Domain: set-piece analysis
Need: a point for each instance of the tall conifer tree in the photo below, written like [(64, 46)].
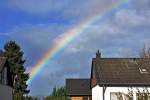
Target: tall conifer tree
[(16, 62)]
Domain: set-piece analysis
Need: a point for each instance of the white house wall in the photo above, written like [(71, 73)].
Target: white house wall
[(97, 92)]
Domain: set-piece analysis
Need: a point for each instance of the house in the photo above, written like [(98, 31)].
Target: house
[(78, 89), (5, 80), (114, 78)]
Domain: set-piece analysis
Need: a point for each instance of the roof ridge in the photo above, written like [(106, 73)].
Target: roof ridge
[(78, 79)]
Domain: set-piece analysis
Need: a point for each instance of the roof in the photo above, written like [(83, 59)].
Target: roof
[(122, 71), (77, 87), (2, 62)]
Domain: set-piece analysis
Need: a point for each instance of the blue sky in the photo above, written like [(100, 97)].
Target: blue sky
[(34, 24)]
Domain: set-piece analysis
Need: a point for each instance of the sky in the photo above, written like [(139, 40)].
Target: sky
[(35, 24)]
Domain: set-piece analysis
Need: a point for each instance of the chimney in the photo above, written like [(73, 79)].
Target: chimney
[(98, 54)]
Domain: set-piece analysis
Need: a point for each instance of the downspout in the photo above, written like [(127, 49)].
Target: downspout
[(104, 89)]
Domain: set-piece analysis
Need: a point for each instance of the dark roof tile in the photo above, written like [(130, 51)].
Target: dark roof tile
[(76, 87), (122, 71)]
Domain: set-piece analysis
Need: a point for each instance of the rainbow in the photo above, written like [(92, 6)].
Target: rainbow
[(64, 39)]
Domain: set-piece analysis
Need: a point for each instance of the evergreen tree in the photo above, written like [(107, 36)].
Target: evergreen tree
[(54, 93), (16, 62), (58, 94)]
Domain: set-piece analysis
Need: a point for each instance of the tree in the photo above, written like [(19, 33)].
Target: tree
[(30, 98), (140, 95), (144, 95), (16, 62), (145, 53), (58, 94), (124, 96)]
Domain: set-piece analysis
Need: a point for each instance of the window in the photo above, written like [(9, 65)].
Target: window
[(85, 98), (120, 96), (143, 71), (115, 96)]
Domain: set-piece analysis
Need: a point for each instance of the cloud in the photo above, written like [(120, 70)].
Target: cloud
[(54, 74), (125, 31), (76, 10), (120, 35), (131, 19), (140, 5), (36, 39)]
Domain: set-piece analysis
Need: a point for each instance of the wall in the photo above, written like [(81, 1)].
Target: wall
[(97, 92), (5, 92)]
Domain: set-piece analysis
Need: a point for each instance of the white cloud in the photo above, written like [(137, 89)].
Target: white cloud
[(88, 8), (130, 18), (117, 36), (35, 39), (75, 9), (40, 34), (123, 34)]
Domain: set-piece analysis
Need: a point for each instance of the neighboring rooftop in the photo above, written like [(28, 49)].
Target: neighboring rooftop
[(121, 71), (77, 87)]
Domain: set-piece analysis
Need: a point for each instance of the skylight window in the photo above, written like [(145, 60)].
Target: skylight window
[(143, 70)]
